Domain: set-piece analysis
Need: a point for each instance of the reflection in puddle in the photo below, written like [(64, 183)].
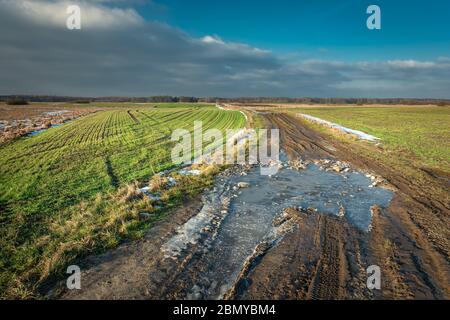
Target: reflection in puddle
[(248, 219), (313, 187), (36, 132)]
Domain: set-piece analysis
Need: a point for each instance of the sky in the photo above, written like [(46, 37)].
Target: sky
[(226, 48)]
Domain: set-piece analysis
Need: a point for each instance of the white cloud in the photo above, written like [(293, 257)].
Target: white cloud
[(411, 64), (118, 53), (212, 39), (48, 12)]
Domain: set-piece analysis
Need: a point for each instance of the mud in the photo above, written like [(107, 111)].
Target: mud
[(30, 120), (409, 241), (279, 237)]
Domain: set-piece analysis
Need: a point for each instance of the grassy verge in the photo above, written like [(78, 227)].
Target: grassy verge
[(419, 135), (71, 191), (398, 150), (94, 226)]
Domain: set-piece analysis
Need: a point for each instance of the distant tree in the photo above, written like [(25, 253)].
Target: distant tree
[(188, 99), (16, 102)]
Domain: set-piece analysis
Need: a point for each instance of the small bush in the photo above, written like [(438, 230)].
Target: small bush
[(16, 102)]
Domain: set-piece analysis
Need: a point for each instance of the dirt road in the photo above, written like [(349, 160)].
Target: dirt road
[(409, 241), (292, 254)]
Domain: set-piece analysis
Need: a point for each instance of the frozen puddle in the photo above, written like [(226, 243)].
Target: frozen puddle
[(325, 191), (234, 220), (359, 134)]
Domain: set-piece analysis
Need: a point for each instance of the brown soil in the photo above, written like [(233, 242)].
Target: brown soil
[(135, 270), (321, 259), (18, 121), (324, 257)]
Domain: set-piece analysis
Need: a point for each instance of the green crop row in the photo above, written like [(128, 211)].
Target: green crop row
[(43, 176)]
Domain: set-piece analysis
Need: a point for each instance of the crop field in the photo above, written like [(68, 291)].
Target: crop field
[(72, 194), (419, 133), (43, 176)]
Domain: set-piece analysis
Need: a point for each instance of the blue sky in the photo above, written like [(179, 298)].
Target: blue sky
[(226, 48), (321, 29)]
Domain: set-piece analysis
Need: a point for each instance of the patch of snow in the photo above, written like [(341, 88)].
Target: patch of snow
[(172, 181), (56, 113), (359, 134), (245, 116), (144, 190), (193, 172)]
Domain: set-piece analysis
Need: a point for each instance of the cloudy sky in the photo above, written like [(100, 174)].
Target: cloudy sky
[(225, 48)]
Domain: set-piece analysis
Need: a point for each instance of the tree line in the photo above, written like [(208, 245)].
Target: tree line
[(23, 99)]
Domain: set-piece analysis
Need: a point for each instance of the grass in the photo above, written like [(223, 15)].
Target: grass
[(417, 133), (62, 192), (415, 141)]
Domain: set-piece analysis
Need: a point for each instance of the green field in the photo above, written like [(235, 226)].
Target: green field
[(56, 187), (419, 133)]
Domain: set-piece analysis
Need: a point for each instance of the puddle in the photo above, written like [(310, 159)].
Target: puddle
[(313, 187), (36, 132), (241, 218)]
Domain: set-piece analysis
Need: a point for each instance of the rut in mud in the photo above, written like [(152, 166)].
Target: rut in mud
[(409, 241), (301, 234), (245, 219)]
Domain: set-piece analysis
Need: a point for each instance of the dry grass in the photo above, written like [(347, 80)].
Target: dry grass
[(128, 193), (95, 226), (51, 216), (158, 183)]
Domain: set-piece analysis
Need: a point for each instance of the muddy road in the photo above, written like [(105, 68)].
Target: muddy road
[(308, 232)]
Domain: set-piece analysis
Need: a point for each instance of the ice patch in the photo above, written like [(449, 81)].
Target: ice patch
[(193, 172), (188, 233), (152, 197), (359, 134), (235, 222), (215, 206), (245, 116), (144, 190), (56, 113), (172, 181)]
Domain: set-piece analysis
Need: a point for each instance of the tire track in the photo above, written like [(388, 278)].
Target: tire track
[(136, 120)]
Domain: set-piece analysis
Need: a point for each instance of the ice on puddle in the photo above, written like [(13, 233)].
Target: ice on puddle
[(193, 172)]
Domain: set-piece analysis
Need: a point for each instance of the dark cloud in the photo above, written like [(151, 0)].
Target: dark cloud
[(118, 53)]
